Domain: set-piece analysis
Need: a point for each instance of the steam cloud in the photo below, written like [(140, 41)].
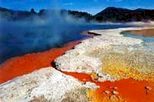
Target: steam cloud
[(37, 34)]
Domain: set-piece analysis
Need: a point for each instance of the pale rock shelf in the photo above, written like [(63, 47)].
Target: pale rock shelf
[(45, 84), (80, 59)]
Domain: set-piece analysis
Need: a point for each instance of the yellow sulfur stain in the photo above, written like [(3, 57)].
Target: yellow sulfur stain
[(121, 67)]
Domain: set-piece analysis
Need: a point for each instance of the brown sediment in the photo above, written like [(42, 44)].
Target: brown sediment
[(144, 32), (18, 66)]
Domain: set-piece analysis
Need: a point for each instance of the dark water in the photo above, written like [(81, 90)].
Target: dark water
[(20, 38)]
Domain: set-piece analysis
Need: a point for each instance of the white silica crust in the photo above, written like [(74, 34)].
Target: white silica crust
[(46, 82), (79, 59)]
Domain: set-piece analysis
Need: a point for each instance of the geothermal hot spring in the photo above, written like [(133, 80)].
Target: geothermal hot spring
[(21, 37), (18, 38)]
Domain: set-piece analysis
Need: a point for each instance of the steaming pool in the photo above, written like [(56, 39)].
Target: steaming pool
[(17, 39)]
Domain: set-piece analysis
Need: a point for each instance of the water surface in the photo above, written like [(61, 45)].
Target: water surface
[(19, 38)]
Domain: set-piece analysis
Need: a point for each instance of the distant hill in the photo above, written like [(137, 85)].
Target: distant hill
[(110, 14), (15, 15), (20, 15), (124, 15)]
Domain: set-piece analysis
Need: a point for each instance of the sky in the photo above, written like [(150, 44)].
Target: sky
[(91, 6)]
